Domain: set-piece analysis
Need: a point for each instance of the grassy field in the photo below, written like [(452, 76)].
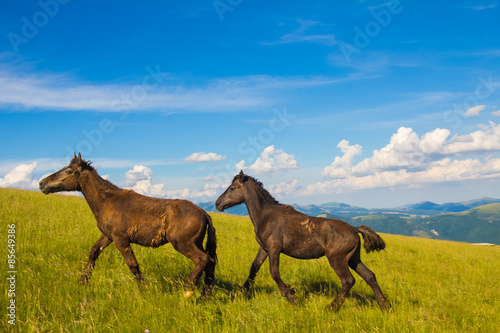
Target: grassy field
[(434, 286)]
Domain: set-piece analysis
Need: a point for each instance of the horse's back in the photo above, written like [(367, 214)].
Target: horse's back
[(149, 221)]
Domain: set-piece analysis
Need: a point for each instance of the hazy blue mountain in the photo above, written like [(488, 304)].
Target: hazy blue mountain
[(474, 221), (236, 210)]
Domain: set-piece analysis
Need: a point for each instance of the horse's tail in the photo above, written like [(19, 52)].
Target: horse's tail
[(211, 246), (372, 240)]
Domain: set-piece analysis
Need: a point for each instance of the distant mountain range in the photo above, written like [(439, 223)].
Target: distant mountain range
[(474, 221)]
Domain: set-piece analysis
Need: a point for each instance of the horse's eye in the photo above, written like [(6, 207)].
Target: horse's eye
[(231, 188), (69, 172)]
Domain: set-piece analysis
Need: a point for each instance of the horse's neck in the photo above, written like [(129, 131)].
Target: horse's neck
[(256, 204), (94, 189)]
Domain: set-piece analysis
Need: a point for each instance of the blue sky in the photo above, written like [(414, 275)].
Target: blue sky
[(371, 103)]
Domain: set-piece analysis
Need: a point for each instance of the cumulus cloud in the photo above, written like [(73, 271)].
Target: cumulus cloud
[(138, 173), (342, 165), (487, 139), (440, 171), (209, 190), (410, 161), (270, 160), (139, 180), (474, 111), (496, 113), (21, 176), (203, 157), (284, 188)]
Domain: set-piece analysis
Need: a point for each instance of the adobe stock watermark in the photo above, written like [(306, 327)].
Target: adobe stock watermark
[(221, 7), (11, 274), (250, 148), (128, 101), (484, 89), (31, 26), (364, 35)]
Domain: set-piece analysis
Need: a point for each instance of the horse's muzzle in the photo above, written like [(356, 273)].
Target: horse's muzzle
[(219, 206), (42, 185)]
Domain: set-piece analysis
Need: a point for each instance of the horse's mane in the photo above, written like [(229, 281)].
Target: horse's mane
[(87, 166), (84, 164), (267, 196)]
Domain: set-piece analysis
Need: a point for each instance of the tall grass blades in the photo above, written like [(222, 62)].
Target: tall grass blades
[(434, 286)]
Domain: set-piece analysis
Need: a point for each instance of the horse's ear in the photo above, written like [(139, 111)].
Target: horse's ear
[(242, 177), (79, 158)]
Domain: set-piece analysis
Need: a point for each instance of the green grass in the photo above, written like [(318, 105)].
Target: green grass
[(434, 286)]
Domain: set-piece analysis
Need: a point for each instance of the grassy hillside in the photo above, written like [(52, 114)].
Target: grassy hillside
[(394, 225), (434, 286), (477, 225)]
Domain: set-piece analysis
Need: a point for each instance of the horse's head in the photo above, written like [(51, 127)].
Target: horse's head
[(234, 194), (65, 179)]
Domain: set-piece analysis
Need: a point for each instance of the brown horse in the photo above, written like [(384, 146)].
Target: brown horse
[(125, 217), (281, 229)]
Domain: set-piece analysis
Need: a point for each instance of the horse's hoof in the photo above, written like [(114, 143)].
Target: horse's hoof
[(385, 306), (207, 291), (333, 307), (291, 296), (83, 281)]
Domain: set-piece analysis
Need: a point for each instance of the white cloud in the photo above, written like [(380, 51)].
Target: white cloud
[(241, 165), (410, 161), (442, 171), (474, 111), (145, 187), (138, 173), (342, 165), (139, 180), (486, 139), (203, 157), (496, 113), (21, 176), (63, 92), (403, 150), (209, 191), (270, 160), (482, 7), (284, 188), (303, 34)]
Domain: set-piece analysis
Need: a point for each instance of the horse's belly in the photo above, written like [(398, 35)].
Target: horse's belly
[(147, 235), (149, 242), (305, 251)]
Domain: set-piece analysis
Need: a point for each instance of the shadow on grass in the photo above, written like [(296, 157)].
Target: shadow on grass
[(228, 291)]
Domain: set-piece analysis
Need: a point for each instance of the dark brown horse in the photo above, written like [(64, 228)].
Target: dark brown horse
[(125, 217), (281, 229)]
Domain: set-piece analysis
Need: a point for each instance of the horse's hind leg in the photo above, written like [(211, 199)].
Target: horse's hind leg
[(96, 250), (209, 277), (339, 264), (257, 263), (200, 260), (367, 275)]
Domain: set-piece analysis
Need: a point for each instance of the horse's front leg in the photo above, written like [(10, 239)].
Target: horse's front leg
[(257, 262), (274, 262), (123, 245), (96, 250)]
